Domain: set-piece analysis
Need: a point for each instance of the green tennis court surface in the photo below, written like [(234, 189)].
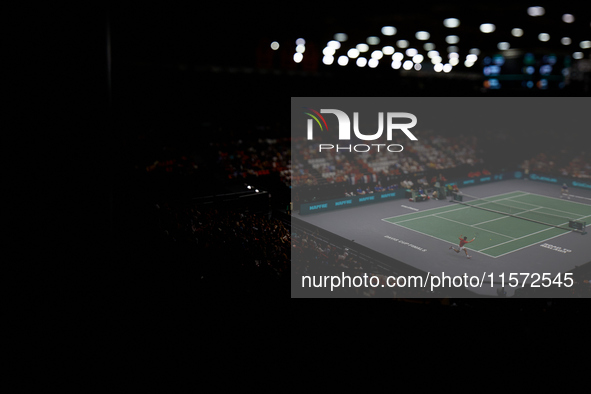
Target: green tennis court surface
[(497, 234)]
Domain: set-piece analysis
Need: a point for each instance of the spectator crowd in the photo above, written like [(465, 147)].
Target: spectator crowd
[(566, 164), (431, 152), (224, 242)]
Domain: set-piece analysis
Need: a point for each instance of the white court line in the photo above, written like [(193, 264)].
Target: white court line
[(428, 216), (443, 240), (544, 240), (527, 246), (506, 216), (458, 209), (435, 214), (552, 209), (451, 210), (492, 220), (525, 236), (560, 199), (537, 232), (430, 209), (535, 205), (584, 198), (507, 198), (470, 225)]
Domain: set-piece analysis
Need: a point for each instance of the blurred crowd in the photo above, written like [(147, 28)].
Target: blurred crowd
[(253, 152), (562, 154), (566, 165), (257, 157), (225, 240), (432, 152), (578, 167)]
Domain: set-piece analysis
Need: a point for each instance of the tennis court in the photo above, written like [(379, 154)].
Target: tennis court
[(502, 224)]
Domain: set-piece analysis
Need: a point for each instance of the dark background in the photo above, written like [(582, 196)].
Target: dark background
[(86, 83)]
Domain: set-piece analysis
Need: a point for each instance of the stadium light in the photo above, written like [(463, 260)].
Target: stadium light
[(396, 65), (451, 22), (388, 30), (274, 45), (300, 41), (417, 58), (578, 55), (362, 47), (297, 57), (361, 62), (422, 35), (438, 67), (373, 62), (544, 37), (429, 46), (536, 11), (436, 59), (487, 27), (373, 40), (343, 60), (516, 32), (447, 68), (407, 65), (402, 44), (388, 50), (452, 39), (328, 51), (328, 60), (418, 66), (353, 53), (341, 37), (503, 46), (454, 61), (300, 49), (565, 41), (397, 57), (334, 44), (568, 18), (410, 52), (585, 44), (377, 55)]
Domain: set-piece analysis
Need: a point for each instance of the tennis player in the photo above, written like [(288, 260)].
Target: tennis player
[(564, 191), (463, 241)]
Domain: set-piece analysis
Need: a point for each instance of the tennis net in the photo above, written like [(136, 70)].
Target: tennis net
[(521, 210)]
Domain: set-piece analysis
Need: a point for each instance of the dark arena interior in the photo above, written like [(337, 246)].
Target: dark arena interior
[(201, 194)]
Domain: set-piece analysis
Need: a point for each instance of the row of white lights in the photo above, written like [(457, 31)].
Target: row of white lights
[(250, 187), (397, 57), (300, 49), (353, 53)]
